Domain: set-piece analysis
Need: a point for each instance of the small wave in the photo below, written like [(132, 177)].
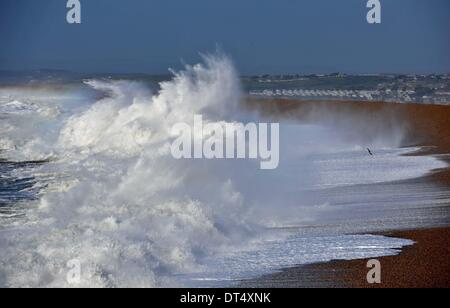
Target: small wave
[(25, 163), (17, 107)]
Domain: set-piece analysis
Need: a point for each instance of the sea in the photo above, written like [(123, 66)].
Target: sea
[(86, 175)]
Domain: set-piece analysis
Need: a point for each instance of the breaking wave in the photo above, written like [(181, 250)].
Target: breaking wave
[(125, 209), (113, 198)]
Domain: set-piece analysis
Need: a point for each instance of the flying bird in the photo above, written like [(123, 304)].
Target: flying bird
[(370, 152)]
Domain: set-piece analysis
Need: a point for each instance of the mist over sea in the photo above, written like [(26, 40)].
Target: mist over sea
[(86, 174)]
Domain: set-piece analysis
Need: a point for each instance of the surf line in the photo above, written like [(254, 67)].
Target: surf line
[(223, 140)]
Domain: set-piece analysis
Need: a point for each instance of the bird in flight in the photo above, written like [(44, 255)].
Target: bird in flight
[(370, 152)]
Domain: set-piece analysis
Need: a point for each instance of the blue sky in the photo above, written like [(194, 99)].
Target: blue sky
[(262, 36)]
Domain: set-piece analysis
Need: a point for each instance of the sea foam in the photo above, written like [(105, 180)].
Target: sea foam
[(113, 198)]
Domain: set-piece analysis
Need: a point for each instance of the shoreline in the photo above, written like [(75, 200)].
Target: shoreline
[(422, 265), (426, 264)]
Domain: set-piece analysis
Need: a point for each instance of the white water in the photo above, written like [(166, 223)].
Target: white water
[(133, 216), (265, 257)]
